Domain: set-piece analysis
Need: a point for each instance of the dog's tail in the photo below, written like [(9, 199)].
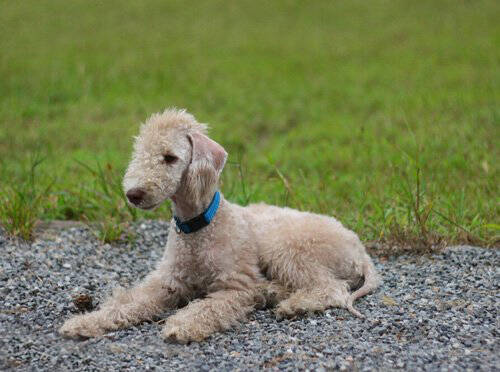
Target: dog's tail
[(372, 281)]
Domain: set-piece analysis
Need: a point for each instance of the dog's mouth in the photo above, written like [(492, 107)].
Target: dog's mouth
[(145, 207), (148, 207)]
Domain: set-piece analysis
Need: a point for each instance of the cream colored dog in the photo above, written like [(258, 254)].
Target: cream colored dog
[(232, 262)]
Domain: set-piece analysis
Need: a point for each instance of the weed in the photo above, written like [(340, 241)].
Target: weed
[(111, 230), (108, 195), (21, 205)]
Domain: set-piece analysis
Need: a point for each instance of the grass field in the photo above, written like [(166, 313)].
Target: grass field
[(385, 114)]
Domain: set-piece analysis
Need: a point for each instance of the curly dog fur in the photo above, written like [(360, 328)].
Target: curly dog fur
[(247, 257)]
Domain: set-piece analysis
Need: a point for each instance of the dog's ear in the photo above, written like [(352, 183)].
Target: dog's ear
[(207, 151), (207, 161)]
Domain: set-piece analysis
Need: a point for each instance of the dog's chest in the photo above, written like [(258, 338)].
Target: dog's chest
[(197, 262)]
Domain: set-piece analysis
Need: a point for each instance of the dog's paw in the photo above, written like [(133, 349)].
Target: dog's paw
[(182, 333), (282, 314), (81, 326), (172, 334), (285, 310)]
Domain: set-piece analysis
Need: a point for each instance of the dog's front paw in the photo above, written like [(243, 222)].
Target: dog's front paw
[(183, 333), (81, 326)]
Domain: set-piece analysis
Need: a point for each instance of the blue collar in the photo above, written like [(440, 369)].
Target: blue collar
[(200, 221)]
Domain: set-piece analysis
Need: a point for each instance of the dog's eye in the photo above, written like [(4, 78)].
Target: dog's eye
[(169, 159)]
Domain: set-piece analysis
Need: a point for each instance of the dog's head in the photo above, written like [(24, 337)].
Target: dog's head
[(172, 155)]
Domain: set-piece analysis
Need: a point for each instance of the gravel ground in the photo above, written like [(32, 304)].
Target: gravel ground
[(437, 312)]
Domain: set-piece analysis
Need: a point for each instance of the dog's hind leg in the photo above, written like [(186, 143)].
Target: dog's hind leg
[(316, 297), (314, 287)]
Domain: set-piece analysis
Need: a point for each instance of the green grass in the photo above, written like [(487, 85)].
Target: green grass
[(383, 113)]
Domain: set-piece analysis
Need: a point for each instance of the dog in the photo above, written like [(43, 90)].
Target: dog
[(222, 260)]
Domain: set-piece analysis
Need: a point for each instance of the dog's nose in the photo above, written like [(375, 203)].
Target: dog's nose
[(135, 195)]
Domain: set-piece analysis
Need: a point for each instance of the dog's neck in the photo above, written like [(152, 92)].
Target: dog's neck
[(186, 208)]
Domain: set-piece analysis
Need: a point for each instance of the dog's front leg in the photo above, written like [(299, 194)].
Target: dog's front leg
[(125, 308), (217, 312)]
